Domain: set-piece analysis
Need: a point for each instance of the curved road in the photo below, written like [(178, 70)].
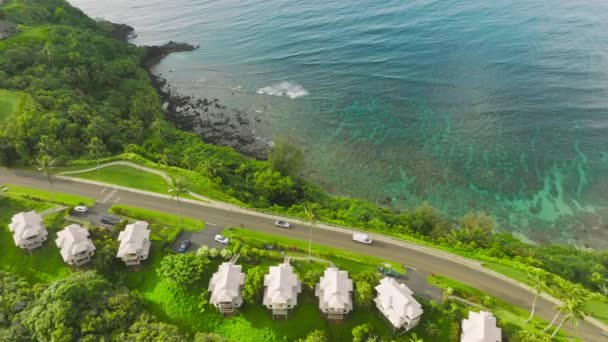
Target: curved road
[(419, 258)]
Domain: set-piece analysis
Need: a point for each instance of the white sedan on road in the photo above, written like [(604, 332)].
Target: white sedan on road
[(221, 239), (81, 209), (282, 224)]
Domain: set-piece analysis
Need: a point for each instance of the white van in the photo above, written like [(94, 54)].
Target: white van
[(362, 238)]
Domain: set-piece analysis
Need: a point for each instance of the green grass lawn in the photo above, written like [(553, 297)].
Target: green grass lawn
[(128, 177), (46, 196), (27, 35), (9, 102), (45, 263), (598, 309)]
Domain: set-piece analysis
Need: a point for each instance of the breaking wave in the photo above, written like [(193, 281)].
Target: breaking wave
[(291, 90)]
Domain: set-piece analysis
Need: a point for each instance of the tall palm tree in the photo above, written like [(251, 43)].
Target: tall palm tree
[(539, 283), (431, 329), (558, 311), (574, 310), (312, 217), (177, 188), (45, 164), (95, 147)]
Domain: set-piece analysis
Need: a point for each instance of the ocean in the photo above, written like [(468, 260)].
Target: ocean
[(495, 106)]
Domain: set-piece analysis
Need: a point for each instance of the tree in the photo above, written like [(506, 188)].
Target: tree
[(286, 158), (226, 254), (414, 338), (176, 189), (309, 211), (208, 337), (254, 282), (314, 336), (364, 294), (148, 329), (539, 283), (574, 310), (431, 329), (45, 164), (528, 335), (202, 305), (83, 306), (361, 332), (95, 147), (182, 269)]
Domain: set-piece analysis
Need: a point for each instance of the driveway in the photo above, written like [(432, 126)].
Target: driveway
[(417, 282), (200, 238)]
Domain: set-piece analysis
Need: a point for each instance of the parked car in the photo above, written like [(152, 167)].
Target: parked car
[(282, 224), (81, 209), (269, 247), (362, 238), (110, 220), (183, 246), (389, 273), (221, 239)]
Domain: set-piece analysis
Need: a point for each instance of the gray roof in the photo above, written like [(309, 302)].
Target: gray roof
[(73, 240), (225, 284), (134, 239)]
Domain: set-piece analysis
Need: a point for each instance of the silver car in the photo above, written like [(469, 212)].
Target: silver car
[(282, 224)]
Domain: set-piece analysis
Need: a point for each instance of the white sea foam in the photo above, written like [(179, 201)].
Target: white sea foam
[(291, 90)]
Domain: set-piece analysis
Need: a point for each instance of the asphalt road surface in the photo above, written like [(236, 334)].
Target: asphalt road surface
[(421, 261)]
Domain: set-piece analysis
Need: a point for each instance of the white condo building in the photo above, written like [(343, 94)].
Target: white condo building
[(28, 230), (480, 327), (134, 243), (397, 304), (334, 291), (225, 287), (75, 246), (281, 289)]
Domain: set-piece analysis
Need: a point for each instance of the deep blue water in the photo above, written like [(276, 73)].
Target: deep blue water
[(499, 106)]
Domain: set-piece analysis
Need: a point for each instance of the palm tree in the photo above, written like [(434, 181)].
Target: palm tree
[(431, 328), (310, 214), (558, 310), (574, 310), (45, 163), (176, 188), (95, 147), (539, 283)]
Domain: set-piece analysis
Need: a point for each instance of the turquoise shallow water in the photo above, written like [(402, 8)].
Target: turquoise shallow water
[(499, 106)]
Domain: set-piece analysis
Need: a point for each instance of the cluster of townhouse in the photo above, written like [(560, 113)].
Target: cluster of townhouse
[(334, 291), (281, 285), (75, 246)]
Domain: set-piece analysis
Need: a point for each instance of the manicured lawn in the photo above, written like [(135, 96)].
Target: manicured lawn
[(26, 36), (9, 101), (46, 196), (598, 309), (341, 258), (128, 177), (45, 263)]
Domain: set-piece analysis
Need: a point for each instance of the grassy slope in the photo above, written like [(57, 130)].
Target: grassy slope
[(9, 102), (127, 176), (45, 263), (44, 195)]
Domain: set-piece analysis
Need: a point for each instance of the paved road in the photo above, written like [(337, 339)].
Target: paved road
[(418, 259)]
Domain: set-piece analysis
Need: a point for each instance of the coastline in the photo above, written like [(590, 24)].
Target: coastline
[(219, 125), (214, 122)]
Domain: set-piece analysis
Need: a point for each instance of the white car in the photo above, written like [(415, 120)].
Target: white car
[(282, 224), (221, 239), (362, 238), (81, 209)]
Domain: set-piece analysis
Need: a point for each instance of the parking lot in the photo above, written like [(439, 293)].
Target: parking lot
[(200, 238)]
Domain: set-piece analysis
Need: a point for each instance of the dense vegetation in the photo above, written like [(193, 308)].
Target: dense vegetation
[(85, 95)]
